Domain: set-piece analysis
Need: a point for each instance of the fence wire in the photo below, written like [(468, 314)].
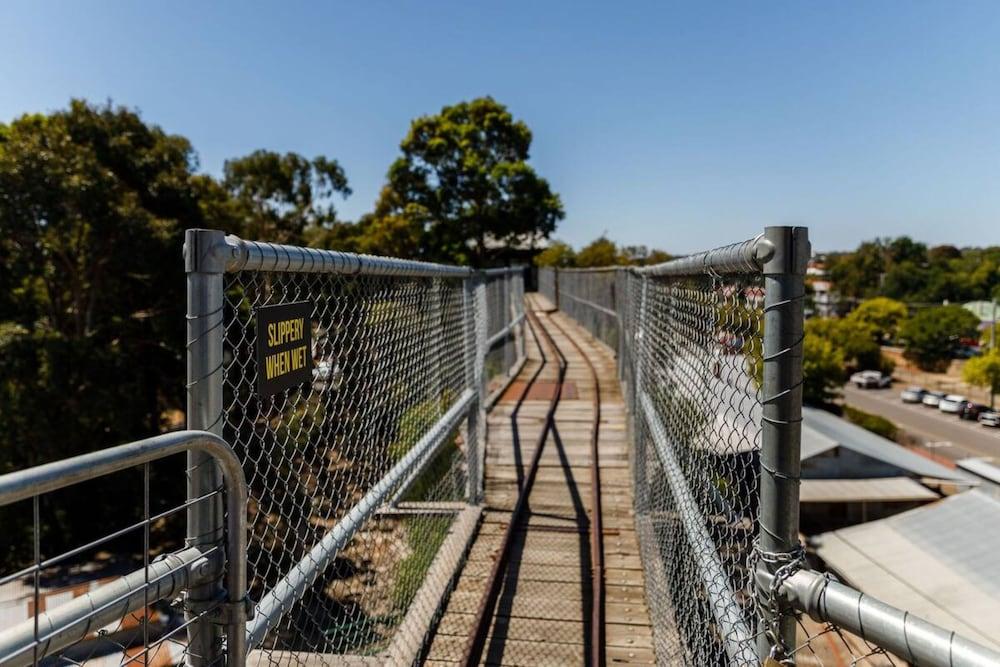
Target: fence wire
[(505, 326), (390, 357), (690, 351)]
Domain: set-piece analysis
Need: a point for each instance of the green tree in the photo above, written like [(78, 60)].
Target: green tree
[(822, 370), (599, 252), (93, 203), (463, 184), (856, 341), (558, 254), (932, 335), (984, 372), (882, 314), (279, 198)]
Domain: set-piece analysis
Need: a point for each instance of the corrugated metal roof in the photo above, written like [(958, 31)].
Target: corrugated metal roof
[(981, 468), (855, 438), (885, 489), (938, 561)]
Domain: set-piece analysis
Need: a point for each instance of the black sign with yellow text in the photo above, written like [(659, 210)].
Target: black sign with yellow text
[(284, 347)]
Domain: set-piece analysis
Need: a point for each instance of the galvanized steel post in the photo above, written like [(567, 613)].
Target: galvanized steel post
[(204, 262), (781, 427)]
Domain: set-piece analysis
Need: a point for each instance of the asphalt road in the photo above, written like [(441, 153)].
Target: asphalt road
[(946, 435)]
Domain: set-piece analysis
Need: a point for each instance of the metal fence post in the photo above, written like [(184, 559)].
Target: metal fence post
[(475, 322), (204, 263), (781, 429)]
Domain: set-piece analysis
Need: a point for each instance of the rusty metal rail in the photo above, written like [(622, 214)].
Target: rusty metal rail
[(485, 612)]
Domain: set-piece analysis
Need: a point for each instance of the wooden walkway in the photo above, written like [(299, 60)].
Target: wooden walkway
[(543, 616)]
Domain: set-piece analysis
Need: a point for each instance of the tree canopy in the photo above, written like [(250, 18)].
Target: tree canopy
[(463, 187), (909, 271), (984, 371), (933, 335), (882, 314)]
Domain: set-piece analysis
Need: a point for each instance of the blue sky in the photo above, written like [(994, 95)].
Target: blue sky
[(677, 125)]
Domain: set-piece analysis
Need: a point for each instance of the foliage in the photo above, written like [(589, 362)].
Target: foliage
[(857, 341), (279, 197), (558, 254), (874, 423), (463, 186), (882, 314), (984, 371), (932, 335), (908, 271), (822, 370), (599, 252)]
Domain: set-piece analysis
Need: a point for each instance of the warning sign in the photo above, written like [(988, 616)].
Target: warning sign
[(284, 347)]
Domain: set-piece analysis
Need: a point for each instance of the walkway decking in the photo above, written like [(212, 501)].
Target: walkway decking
[(544, 610)]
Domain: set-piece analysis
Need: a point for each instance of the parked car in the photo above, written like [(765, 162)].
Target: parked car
[(952, 403), (990, 418), (913, 394), (971, 411), (932, 398), (871, 380)]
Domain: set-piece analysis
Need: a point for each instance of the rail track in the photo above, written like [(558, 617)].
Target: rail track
[(484, 618)]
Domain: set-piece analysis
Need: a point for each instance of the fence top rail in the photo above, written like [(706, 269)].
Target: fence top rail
[(246, 255), (505, 270), (744, 257)]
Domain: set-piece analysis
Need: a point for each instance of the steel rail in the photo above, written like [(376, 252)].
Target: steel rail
[(597, 657), (476, 641), (73, 621)]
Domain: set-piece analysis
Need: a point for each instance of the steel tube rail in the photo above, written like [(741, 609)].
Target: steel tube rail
[(917, 641), (503, 333), (737, 638), (242, 255), (744, 257), (295, 583), (591, 304), (179, 571), (504, 270), (781, 427)]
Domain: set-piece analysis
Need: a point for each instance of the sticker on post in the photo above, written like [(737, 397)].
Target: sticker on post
[(284, 347)]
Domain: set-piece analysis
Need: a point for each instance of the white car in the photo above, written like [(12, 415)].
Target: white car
[(990, 418), (913, 394), (871, 380), (932, 398), (951, 403)]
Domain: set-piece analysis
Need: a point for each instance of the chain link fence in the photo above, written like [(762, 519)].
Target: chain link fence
[(709, 350), (505, 328)]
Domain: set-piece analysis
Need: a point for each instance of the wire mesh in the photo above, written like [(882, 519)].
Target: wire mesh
[(547, 283), (504, 298), (591, 296), (390, 356), (102, 594)]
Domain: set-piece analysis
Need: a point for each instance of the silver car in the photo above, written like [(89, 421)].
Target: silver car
[(912, 394), (990, 418), (952, 403), (932, 398)]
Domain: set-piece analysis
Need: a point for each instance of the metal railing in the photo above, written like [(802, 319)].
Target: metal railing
[(364, 473), (67, 623), (710, 354)]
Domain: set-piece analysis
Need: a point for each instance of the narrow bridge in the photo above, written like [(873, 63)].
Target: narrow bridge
[(395, 462)]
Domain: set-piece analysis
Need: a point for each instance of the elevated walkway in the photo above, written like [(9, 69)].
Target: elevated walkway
[(545, 608)]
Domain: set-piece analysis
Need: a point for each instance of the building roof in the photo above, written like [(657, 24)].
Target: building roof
[(980, 468), (938, 562), (884, 489), (981, 309), (822, 430)]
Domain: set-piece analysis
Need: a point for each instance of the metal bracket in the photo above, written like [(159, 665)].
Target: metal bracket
[(789, 247), (220, 610), (206, 251)]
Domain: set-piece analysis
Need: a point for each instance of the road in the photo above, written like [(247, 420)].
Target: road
[(946, 435)]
